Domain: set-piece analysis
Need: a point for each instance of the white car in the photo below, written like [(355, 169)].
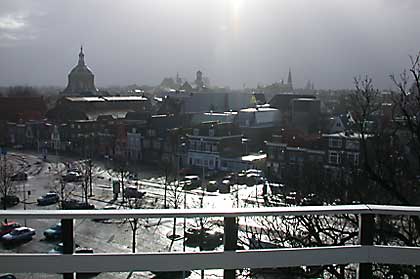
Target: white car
[(19, 234)]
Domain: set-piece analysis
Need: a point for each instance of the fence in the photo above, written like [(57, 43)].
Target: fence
[(230, 259)]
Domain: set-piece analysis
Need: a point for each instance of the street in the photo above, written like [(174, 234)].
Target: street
[(115, 236)]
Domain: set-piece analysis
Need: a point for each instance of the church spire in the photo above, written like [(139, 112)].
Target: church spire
[(81, 57), (289, 79)]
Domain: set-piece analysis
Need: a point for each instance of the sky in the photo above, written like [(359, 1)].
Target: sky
[(234, 43)]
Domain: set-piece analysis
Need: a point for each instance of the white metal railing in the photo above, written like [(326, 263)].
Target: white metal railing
[(228, 260)]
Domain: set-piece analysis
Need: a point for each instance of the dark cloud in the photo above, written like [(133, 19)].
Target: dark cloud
[(232, 41)]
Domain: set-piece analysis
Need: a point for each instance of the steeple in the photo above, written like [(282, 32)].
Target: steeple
[(289, 77), (289, 80), (81, 57)]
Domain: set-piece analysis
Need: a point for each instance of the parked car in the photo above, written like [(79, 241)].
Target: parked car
[(253, 179), (19, 234), (20, 176), (212, 186), (171, 274), (75, 204), (53, 232), (133, 192), (224, 187), (72, 176), (241, 178), (195, 180), (9, 200), (254, 171), (6, 228), (59, 248), (276, 188), (48, 198), (7, 276)]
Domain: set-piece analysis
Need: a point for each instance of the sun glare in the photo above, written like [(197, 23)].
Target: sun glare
[(236, 8)]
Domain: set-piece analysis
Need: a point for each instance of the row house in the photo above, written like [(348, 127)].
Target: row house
[(30, 134), (209, 142), (343, 150), (288, 156)]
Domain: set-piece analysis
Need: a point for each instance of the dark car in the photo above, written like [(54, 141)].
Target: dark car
[(5, 228), (48, 198), (53, 232), (74, 204), (133, 192), (72, 176), (9, 200), (20, 176), (7, 276), (171, 274)]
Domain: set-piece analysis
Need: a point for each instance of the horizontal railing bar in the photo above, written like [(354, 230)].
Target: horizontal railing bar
[(266, 258), (394, 210), (186, 213), (199, 212), (45, 263), (396, 255)]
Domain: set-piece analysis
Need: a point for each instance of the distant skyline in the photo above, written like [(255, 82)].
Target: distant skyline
[(233, 42)]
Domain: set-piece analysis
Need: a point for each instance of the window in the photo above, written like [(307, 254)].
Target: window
[(211, 132), (335, 143), (195, 132), (352, 144), (353, 159), (192, 145), (333, 157)]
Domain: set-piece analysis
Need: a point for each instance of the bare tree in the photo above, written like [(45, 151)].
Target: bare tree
[(134, 203), (175, 199), (64, 190), (86, 169), (22, 91), (7, 187)]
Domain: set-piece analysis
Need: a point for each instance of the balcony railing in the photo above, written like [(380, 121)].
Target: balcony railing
[(230, 259)]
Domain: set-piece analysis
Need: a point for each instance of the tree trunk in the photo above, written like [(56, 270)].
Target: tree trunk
[(134, 240)]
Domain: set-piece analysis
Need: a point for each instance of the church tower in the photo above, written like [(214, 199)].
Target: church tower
[(80, 79), (289, 80), (199, 80)]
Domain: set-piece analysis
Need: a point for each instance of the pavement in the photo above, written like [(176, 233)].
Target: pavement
[(115, 235)]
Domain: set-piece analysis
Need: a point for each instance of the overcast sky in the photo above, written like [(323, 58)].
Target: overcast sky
[(234, 42)]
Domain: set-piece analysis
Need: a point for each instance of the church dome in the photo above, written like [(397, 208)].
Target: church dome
[(80, 79)]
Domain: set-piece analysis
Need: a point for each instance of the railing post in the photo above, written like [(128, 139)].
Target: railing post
[(366, 234), (67, 236), (230, 242)]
